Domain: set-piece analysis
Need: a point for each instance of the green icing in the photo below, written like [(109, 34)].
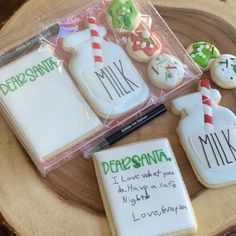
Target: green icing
[(234, 68), (29, 74), (135, 161), (123, 14), (148, 41), (203, 52)]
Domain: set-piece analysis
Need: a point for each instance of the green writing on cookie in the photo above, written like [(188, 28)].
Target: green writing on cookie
[(135, 161), (29, 75), (203, 52), (123, 14)]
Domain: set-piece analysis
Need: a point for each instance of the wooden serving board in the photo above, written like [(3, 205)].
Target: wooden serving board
[(189, 26), (68, 201)]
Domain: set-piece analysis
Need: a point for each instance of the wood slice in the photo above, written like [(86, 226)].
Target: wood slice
[(32, 208), (7, 8), (76, 181)]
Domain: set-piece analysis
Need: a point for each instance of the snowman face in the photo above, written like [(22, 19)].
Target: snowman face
[(223, 71)]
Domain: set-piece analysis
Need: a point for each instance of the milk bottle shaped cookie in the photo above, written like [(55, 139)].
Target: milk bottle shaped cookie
[(104, 73), (208, 135)]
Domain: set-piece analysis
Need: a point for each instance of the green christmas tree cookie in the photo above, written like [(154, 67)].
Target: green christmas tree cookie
[(203, 54)]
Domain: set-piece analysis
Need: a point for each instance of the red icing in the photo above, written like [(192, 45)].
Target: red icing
[(208, 119), (147, 50)]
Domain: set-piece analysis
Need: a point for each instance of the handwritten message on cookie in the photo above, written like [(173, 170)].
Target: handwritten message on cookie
[(143, 190), (141, 179)]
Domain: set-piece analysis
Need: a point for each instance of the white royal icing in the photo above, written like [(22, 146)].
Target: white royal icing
[(161, 76), (212, 154), (44, 104), (223, 71), (113, 90), (143, 191)]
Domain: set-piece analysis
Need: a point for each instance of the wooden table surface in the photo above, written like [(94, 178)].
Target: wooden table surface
[(47, 213)]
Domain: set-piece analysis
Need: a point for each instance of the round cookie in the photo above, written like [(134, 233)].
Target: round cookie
[(166, 71), (143, 45), (123, 16), (203, 54), (223, 71)]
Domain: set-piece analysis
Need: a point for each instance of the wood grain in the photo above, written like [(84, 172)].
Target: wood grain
[(7, 9), (32, 208)]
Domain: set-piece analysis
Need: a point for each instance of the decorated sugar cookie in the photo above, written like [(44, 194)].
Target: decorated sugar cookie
[(45, 107), (208, 135), (203, 54), (104, 73), (123, 16), (223, 71), (143, 191), (166, 71), (143, 45)]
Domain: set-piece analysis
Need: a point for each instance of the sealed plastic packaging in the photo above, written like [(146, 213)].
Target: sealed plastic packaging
[(88, 75)]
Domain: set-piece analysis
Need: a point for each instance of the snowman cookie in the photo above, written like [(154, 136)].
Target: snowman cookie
[(104, 73), (166, 71), (123, 16), (207, 133), (223, 71), (203, 54), (143, 45)]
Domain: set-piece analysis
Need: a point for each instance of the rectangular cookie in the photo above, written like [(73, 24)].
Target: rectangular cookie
[(45, 108), (143, 191)]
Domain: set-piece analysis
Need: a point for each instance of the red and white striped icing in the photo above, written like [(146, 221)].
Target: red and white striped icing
[(96, 42), (207, 104)]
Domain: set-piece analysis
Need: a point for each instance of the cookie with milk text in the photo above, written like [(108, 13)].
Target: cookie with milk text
[(207, 133)]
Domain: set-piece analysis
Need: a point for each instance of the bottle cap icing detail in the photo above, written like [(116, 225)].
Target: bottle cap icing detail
[(223, 71), (166, 71), (143, 45), (203, 54), (123, 14)]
